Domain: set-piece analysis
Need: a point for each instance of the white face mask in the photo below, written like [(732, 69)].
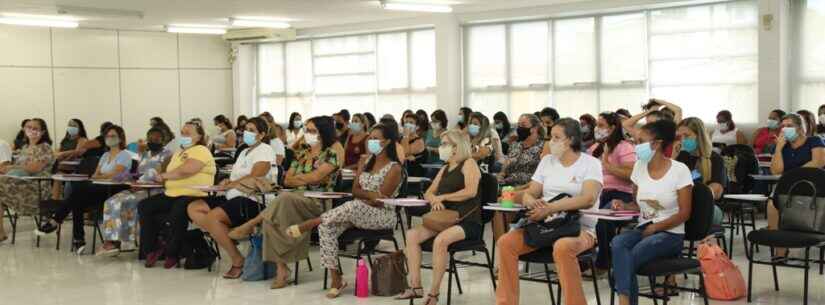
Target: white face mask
[(723, 126), (601, 134), (311, 139), (822, 119), (557, 148), (445, 152)]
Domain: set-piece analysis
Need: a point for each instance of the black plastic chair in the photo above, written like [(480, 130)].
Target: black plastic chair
[(545, 257), (457, 247), (741, 214), (789, 238), (697, 227)]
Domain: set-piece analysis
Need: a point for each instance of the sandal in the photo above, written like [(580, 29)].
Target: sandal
[(431, 299), (278, 283), (411, 293), (228, 275), (336, 292), (294, 231)]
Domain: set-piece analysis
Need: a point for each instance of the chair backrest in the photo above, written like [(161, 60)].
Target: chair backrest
[(134, 169), (790, 178), (701, 213), (488, 193), (739, 179)]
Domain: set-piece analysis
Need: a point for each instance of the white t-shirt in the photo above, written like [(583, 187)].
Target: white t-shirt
[(5, 152), (243, 167), (291, 137), (728, 138), (557, 179), (664, 190)]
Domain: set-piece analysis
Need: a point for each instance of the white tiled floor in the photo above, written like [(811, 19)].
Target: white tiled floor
[(30, 275)]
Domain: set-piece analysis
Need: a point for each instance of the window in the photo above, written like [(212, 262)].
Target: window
[(810, 71), (378, 73), (695, 56)]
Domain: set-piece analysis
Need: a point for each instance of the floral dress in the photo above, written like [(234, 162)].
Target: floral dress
[(523, 163), (304, 165), (21, 195)]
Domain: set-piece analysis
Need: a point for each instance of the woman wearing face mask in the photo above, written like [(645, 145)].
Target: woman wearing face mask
[(809, 121), (588, 123), (35, 159), (793, 150), (356, 144), (617, 158), (764, 139), (377, 178), (114, 164), (290, 217), (525, 154), (455, 188), (565, 171), (225, 139), (726, 132), (438, 124), (294, 130), (463, 117), (191, 165), (240, 122), (480, 140), (413, 144), (695, 151), (75, 136), (120, 211), (664, 189), (217, 215)]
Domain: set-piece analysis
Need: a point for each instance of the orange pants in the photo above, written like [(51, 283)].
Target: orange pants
[(565, 252)]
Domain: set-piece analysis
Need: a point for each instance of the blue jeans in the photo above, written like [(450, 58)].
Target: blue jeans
[(606, 229), (631, 251)]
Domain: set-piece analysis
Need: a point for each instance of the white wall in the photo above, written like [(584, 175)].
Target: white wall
[(124, 77)]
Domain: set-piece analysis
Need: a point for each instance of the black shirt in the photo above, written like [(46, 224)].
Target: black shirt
[(717, 167)]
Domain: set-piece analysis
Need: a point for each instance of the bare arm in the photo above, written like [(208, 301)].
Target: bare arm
[(391, 182), (313, 177), (188, 169), (677, 111), (817, 158), (630, 124)]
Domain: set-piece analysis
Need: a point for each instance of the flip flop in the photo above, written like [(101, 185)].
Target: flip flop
[(336, 292), (226, 276)]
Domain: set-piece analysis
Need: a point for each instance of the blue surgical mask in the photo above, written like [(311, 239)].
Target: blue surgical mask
[(689, 144), (790, 133), (72, 131), (374, 146), (185, 142), (773, 124), (644, 152), (250, 138), (410, 127), (474, 129), (355, 127)]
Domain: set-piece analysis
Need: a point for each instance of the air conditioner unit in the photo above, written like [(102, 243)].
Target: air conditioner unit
[(259, 34)]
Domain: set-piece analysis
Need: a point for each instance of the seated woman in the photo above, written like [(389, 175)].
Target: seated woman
[(120, 211), (565, 171), (115, 163), (617, 158), (588, 123), (455, 188), (793, 150), (290, 216), (438, 124), (696, 151), (764, 139), (664, 190), (236, 207), (481, 141), (356, 144), (294, 131), (377, 178), (413, 144), (524, 155), (75, 137), (190, 166), (226, 136), (726, 133), (35, 159)]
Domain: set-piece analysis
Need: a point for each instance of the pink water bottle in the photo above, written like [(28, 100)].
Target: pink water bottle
[(362, 280)]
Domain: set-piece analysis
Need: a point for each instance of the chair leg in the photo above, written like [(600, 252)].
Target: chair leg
[(450, 274), (807, 270), (702, 287), (750, 275), (775, 275), (821, 259), (652, 280), (596, 282), (490, 267), (610, 282), (455, 273), (753, 226), (549, 284), (309, 263), (298, 265)]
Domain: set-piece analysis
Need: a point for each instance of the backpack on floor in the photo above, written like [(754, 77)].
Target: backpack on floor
[(196, 251), (254, 267), (723, 280)]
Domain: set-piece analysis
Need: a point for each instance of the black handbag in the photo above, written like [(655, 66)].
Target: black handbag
[(802, 213), (544, 234)]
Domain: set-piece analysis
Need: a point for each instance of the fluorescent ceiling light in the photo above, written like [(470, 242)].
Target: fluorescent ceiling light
[(195, 29), (98, 12), (39, 21), (416, 7), (258, 23)]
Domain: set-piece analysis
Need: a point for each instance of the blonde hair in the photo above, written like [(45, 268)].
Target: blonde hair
[(461, 141), (704, 146)]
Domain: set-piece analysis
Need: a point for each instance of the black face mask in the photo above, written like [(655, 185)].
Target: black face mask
[(339, 125), (523, 133), (155, 147)]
